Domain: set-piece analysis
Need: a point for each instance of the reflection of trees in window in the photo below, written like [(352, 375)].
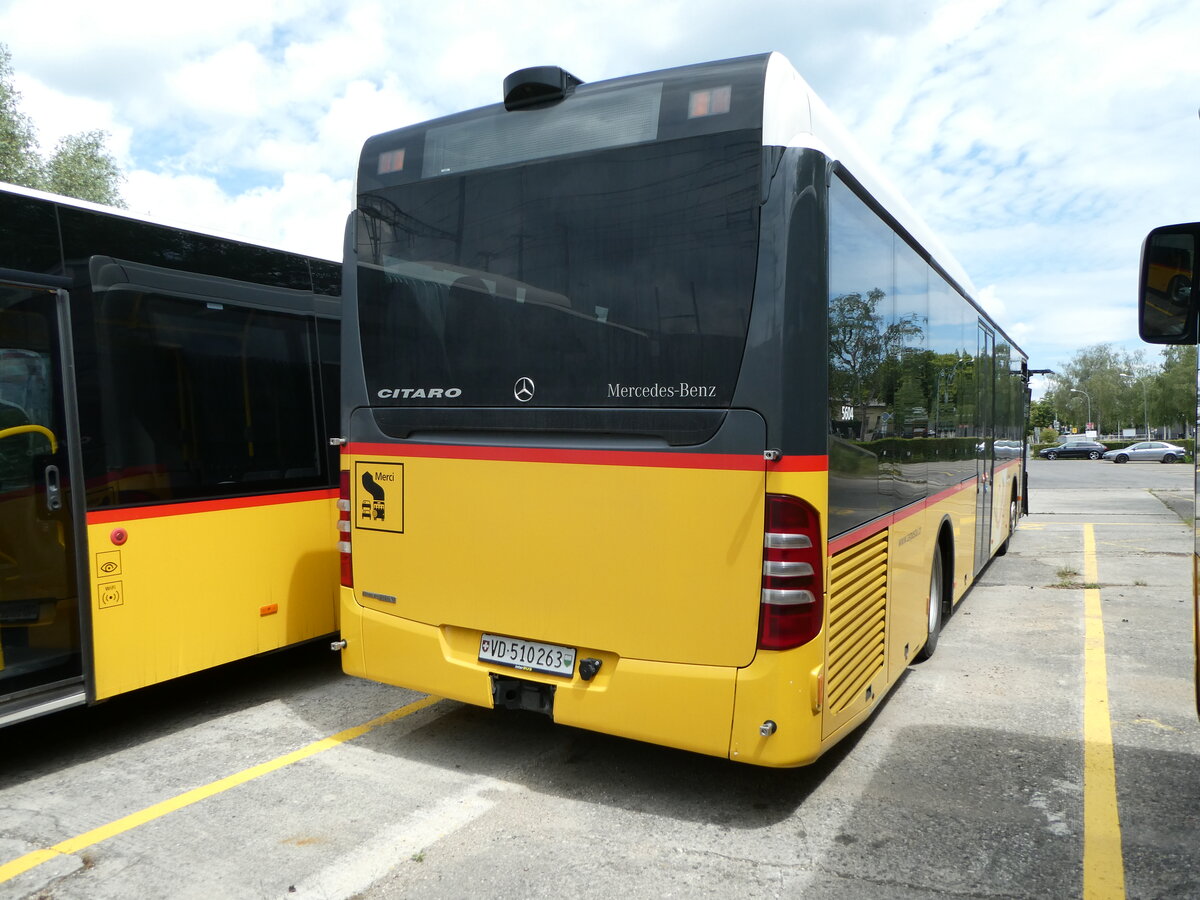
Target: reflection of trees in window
[(905, 376), (885, 384), (872, 360), (1005, 399), (951, 404)]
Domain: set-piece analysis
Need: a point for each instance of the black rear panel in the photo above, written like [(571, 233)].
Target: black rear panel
[(617, 280)]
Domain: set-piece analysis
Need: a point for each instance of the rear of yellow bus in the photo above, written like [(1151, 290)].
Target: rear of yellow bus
[(556, 495)]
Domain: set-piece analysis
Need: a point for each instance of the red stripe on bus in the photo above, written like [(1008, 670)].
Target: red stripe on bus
[(106, 516), (800, 464), (743, 462), (850, 538)]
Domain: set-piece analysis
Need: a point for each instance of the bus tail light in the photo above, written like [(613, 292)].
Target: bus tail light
[(793, 596), (343, 525)]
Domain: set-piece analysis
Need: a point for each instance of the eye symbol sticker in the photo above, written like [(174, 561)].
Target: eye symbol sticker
[(108, 563)]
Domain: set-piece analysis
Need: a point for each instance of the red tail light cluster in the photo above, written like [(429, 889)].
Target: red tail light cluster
[(792, 592), (343, 525)]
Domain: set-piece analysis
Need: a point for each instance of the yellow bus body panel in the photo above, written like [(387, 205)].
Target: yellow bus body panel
[(682, 706), (652, 563), (717, 709), (958, 509), (651, 697), (188, 590), (911, 542), (783, 688)]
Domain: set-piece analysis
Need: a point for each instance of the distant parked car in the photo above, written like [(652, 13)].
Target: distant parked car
[(1158, 451), (1074, 450)]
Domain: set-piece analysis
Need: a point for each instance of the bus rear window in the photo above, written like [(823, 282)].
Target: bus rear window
[(618, 278)]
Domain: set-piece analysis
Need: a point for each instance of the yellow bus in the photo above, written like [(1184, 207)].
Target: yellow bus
[(167, 484), (1167, 314), (664, 416)]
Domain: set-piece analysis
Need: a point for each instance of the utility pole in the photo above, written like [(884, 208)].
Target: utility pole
[(1090, 424)]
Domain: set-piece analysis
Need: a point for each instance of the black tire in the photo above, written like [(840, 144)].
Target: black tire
[(1093, 454), (935, 613), (1050, 454), (1168, 457), (1120, 458)]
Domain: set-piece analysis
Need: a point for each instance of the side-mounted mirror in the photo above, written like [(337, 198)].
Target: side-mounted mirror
[(1166, 302)]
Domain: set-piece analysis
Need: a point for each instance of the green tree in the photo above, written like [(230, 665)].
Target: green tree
[(1093, 379), (80, 167), (1042, 414), (1172, 394), (19, 160), (1046, 435)]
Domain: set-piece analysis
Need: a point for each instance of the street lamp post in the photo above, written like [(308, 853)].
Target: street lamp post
[(1089, 402), (1145, 402)]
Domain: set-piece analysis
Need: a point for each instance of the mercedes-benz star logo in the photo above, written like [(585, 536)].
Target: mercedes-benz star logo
[(523, 389)]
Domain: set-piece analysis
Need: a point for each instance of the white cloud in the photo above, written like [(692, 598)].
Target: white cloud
[(59, 115), (991, 302), (305, 213), (234, 83)]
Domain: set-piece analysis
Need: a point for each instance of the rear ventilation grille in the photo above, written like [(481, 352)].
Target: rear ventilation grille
[(857, 603)]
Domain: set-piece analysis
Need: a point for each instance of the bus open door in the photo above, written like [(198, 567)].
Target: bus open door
[(41, 660)]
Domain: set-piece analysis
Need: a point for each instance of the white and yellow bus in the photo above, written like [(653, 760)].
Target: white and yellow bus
[(167, 487), (1167, 314), (663, 414)]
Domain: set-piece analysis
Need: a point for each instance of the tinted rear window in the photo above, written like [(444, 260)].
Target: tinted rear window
[(617, 278)]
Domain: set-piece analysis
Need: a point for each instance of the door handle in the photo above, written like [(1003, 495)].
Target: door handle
[(53, 489)]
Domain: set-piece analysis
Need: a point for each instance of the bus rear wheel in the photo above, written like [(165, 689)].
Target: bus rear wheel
[(934, 610), (1014, 512)]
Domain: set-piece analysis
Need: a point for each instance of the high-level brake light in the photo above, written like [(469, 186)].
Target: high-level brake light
[(792, 593)]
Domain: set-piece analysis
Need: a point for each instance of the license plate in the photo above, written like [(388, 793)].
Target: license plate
[(528, 656)]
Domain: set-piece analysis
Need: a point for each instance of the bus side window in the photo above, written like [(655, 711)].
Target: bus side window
[(209, 399)]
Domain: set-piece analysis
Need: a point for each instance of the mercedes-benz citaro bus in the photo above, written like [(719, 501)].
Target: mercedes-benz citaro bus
[(663, 414), (167, 488)]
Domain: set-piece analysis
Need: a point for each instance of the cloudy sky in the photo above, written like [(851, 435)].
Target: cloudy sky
[(1040, 139)]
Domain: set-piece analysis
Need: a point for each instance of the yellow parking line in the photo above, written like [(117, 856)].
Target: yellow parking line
[(80, 842), (1103, 863)]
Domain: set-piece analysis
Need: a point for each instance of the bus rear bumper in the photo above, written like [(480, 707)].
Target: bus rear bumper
[(677, 705), (714, 710)]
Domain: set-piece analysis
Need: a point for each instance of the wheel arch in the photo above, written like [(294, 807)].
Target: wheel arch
[(944, 544)]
